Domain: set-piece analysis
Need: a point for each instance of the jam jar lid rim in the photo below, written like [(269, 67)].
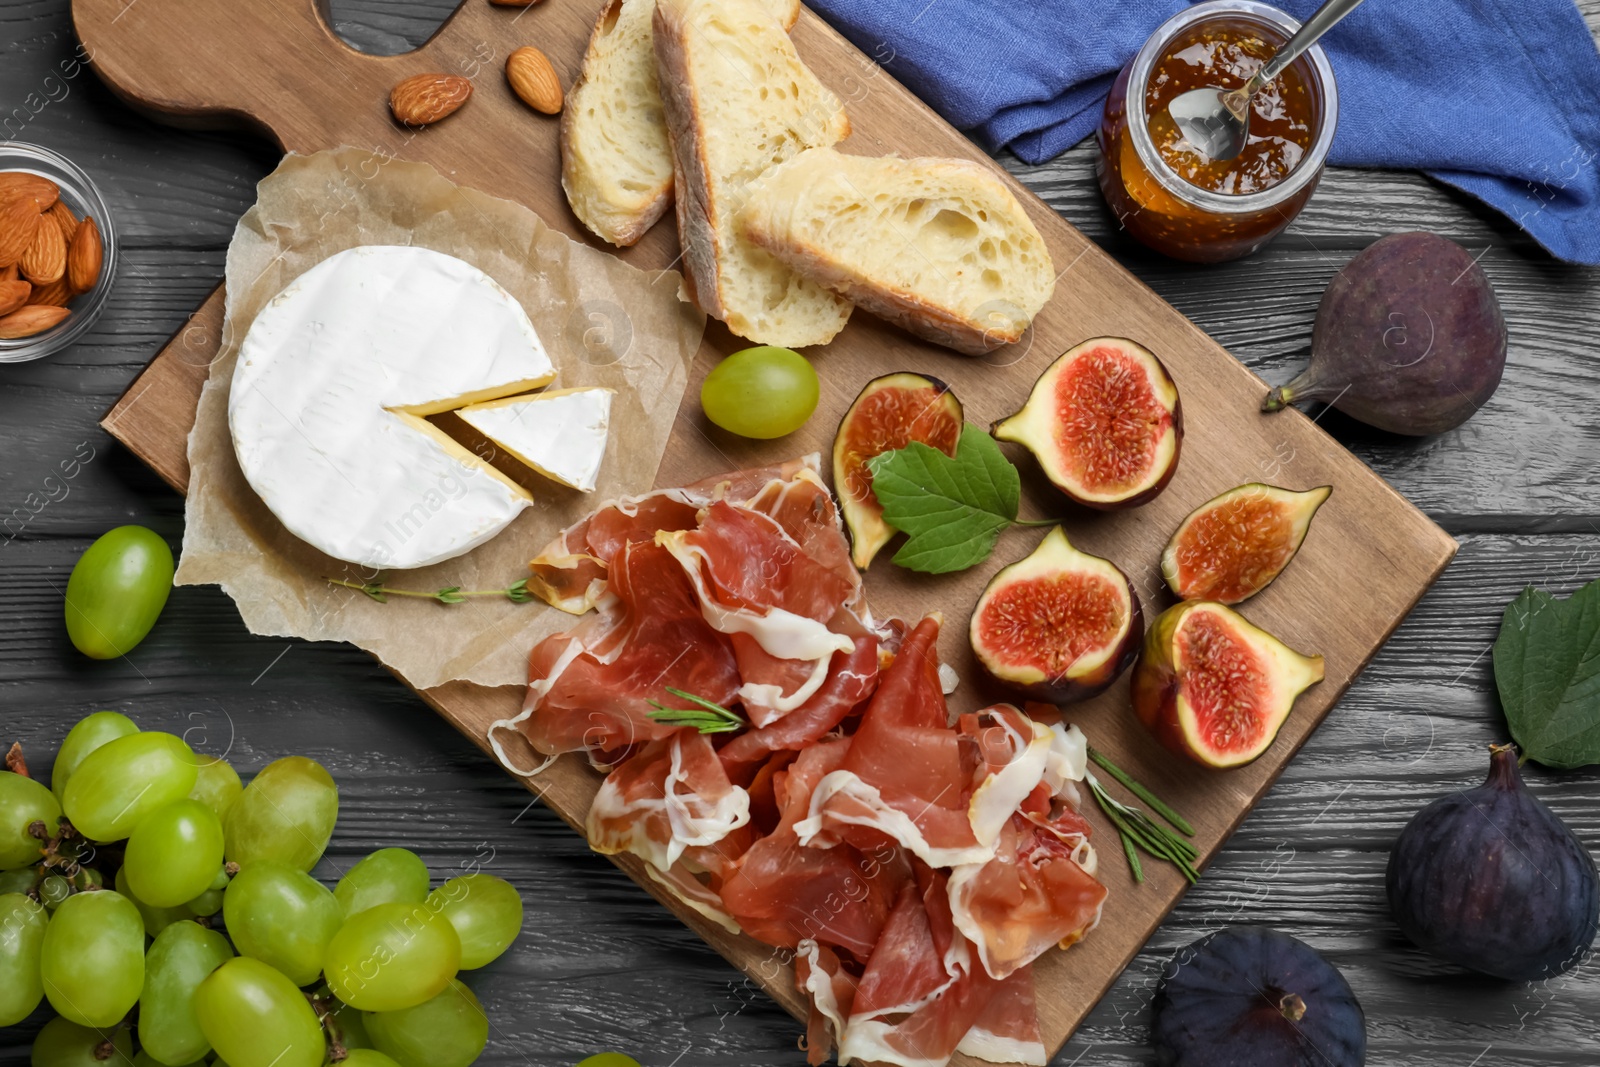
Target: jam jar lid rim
[(1171, 181)]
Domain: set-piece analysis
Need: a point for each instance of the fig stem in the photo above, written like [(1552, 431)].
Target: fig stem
[(1141, 792), (1277, 398)]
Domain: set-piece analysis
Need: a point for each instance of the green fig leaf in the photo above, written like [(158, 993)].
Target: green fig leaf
[(953, 508), (1547, 668)]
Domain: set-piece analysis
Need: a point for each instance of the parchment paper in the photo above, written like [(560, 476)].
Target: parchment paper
[(603, 323)]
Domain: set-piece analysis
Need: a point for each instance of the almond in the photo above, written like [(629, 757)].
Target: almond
[(10, 274), (65, 219), (56, 294), (423, 99), (84, 255), (534, 80), (45, 261), (35, 318), (19, 224), (20, 185), (13, 295)]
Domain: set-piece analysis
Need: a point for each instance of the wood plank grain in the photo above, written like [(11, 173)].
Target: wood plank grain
[(1369, 530)]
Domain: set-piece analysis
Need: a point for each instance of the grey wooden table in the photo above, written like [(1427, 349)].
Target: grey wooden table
[(599, 965)]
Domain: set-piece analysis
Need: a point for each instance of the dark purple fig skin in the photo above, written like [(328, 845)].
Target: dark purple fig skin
[(1492, 879), (1409, 338), (1235, 999)]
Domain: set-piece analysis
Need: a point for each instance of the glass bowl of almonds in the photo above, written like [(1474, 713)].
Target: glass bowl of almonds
[(58, 252)]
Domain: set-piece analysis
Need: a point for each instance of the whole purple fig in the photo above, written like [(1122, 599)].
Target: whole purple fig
[(1492, 879), (1409, 338)]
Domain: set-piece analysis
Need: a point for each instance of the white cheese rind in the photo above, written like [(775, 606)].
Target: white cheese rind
[(331, 382), (560, 433)]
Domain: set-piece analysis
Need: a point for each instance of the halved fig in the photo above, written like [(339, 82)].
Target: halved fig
[(889, 413), (1059, 625), (1214, 688), (1104, 422), (1233, 546)]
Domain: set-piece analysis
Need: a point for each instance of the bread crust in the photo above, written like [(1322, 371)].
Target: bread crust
[(913, 312), (690, 169), (605, 219)]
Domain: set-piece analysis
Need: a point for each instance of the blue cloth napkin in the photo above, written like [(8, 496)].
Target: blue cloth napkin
[(1413, 75)]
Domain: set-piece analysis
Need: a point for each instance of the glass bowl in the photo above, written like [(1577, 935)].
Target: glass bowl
[(83, 197)]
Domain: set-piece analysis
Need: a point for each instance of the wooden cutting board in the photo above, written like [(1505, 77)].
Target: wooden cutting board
[(274, 66)]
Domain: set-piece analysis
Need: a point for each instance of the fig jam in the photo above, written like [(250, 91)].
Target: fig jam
[(1225, 56), (1168, 195)]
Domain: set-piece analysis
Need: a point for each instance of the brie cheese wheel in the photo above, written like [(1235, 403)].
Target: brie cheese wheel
[(560, 433), (332, 382)]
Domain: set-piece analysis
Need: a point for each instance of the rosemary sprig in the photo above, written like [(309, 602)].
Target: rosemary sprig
[(1141, 792), (516, 592), (1137, 830), (706, 717)]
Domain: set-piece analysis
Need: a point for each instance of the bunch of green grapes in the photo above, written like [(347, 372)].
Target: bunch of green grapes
[(213, 943)]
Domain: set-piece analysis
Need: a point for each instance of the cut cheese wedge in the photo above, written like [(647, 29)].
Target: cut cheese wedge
[(560, 433), (329, 393)]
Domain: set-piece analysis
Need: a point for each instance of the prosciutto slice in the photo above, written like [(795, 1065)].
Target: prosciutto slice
[(775, 602), (673, 795), (570, 572), (920, 993), (904, 778), (590, 689), (783, 893)]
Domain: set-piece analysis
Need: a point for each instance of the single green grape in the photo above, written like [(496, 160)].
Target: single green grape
[(22, 926), (286, 814), (216, 785), (283, 917), (366, 1057), (183, 955), (116, 591), (387, 876), (54, 890), (450, 1030), (89, 733), (206, 904), (63, 1043), (609, 1059), (20, 880), (174, 853), (155, 919), (761, 392), (124, 780), (391, 956), (92, 961), (255, 1017), (23, 802), (486, 912)]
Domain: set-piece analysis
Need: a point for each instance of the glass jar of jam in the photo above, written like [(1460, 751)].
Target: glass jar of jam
[(1163, 190)]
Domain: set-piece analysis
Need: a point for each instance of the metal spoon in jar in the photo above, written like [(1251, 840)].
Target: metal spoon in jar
[(1217, 121)]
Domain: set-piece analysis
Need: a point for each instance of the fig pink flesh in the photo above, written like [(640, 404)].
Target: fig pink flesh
[(1224, 684), (1108, 420)]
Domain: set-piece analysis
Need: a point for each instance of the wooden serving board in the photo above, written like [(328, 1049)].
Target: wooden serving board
[(274, 66)]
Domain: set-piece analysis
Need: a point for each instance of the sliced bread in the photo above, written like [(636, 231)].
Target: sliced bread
[(738, 101), (939, 246), (616, 163)]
